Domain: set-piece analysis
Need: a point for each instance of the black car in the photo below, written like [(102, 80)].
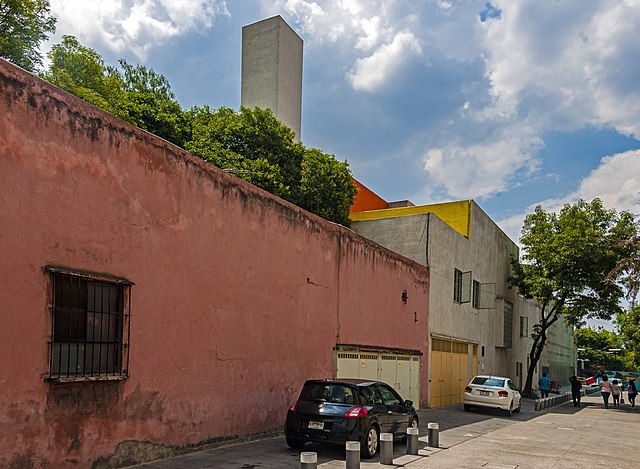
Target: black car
[(337, 411)]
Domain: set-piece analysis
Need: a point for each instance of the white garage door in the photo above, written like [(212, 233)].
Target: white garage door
[(401, 371)]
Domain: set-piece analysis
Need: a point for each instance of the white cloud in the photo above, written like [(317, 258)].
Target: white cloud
[(616, 181), (370, 33), (370, 73), (134, 26), (572, 55), (481, 169), (550, 67)]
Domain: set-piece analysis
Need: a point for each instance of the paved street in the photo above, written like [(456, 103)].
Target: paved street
[(558, 438)]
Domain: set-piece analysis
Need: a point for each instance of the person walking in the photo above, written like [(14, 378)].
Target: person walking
[(544, 384), (576, 390), (616, 392), (632, 392), (605, 390)]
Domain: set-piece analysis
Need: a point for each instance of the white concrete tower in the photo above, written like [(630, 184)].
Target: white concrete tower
[(272, 70)]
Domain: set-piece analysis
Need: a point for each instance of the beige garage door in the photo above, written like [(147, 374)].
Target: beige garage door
[(401, 371), (449, 371)]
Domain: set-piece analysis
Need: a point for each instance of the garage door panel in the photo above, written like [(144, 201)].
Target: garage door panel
[(402, 372), (449, 371), (368, 366)]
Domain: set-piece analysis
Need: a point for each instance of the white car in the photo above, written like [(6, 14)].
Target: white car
[(495, 392)]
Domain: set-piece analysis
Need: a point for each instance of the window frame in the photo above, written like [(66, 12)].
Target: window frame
[(524, 331), (475, 303), (91, 331), (461, 290)]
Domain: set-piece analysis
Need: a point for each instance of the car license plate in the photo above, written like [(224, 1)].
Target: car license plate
[(316, 425), (485, 393)]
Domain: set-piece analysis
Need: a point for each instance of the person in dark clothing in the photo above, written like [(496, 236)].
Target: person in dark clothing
[(632, 392), (576, 390)]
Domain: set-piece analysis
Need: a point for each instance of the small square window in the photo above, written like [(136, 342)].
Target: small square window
[(89, 325)]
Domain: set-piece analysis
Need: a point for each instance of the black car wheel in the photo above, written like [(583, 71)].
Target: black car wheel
[(295, 444), (369, 446)]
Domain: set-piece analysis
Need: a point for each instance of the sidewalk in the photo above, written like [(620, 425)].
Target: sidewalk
[(559, 438), (562, 437)]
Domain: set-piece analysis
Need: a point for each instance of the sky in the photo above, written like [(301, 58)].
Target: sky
[(511, 103)]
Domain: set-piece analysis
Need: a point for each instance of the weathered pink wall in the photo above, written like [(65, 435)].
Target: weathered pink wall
[(238, 297)]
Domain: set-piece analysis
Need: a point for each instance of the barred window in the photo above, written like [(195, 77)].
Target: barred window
[(89, 325)]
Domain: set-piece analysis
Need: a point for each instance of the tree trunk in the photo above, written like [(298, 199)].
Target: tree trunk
[(537, 347)]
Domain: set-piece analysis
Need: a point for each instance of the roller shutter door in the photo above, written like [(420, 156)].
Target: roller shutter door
[(400, 371)]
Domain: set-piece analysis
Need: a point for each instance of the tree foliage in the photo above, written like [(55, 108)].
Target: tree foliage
[(82, 72), (596, 345), (628, 268), (565, 266), (326, 187), (628, 324), (252, 144), (24, 24)]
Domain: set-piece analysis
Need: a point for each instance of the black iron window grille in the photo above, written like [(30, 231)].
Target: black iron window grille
[(90, 317)]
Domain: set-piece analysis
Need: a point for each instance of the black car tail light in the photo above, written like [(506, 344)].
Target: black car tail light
[(356, 412), (293, 407)]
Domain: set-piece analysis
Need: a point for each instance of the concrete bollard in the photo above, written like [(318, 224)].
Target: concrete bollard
[(353, 455), (433, 430), (412, 440), (537, 406), (386, 448), (308, 460)]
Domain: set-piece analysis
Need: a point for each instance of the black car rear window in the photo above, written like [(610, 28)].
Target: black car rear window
[(485, 381), (330, 392)]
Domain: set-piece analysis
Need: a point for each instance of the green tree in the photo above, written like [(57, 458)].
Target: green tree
[(628, 324), (82, 72), (149, 103), (326, 188), (566, 260), (132, 92), (24, 24), (598, 345), (251, 144)]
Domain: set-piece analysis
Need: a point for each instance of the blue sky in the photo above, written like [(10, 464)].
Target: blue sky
[(511, 103)]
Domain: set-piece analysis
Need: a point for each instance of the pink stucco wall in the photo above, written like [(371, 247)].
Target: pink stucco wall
[(238, 297)]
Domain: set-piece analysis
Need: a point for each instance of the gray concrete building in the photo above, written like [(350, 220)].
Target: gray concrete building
[(477, 323), (272, 70)]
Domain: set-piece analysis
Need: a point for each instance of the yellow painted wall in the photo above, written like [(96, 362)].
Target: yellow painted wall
[(455, 214)]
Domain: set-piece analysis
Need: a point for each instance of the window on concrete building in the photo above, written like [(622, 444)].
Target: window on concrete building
[(524, 326), (508, 324), (476, 294), (89, 325), (461, 286)]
